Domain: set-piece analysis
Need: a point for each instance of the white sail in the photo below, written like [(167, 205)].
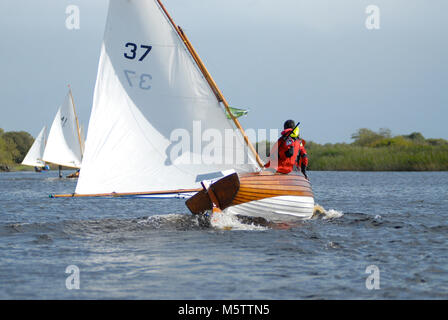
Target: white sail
[(34, 156), (148, 86), (83, 138), (63, 145)]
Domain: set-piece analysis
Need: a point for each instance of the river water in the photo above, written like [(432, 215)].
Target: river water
[(383, 236)]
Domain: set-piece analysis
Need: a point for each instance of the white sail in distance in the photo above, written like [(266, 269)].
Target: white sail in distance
[(83, 138), (64, 142), (34, 156), (148, 86)]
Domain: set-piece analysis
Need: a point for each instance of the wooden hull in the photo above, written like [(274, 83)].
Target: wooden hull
[(273, 196)]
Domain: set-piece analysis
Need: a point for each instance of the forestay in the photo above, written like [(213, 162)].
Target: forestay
[(148, 91), (34, 156), (64, 143)]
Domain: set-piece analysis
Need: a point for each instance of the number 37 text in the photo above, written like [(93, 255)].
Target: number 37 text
[(134, 80)]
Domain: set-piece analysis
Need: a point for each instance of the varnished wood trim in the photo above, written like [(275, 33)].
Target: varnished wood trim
[(277, 186), (271, 193), (242, 198)]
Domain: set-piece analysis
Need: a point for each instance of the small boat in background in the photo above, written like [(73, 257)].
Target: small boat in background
[(34, 156), (65, 146)]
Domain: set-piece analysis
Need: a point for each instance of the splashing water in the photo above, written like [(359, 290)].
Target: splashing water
[(319, 212), (175, 221), (227, 221)]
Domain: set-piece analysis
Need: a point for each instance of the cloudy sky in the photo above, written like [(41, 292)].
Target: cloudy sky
[(310, 60)]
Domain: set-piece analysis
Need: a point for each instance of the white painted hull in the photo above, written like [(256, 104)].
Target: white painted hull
[(276, 209)]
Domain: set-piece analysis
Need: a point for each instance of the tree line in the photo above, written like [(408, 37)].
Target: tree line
[(14, 146), (377, 151), (369, 151)]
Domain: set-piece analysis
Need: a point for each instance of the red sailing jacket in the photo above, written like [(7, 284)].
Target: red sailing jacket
[(283, 159)]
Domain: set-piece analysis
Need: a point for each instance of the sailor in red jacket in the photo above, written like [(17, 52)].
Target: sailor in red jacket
[(289, 151)]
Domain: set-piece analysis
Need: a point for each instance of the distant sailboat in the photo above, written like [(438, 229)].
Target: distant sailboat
[(83, 138), (34, 156), (150, 84), (64, 145)]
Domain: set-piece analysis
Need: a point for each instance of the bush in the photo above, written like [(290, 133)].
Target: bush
[(366, 137), (378, 151), (21, 141), (13, 148)]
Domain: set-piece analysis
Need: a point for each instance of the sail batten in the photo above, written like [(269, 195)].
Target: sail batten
[(150, 98)]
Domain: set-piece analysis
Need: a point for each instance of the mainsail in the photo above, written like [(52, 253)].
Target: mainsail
[(149, 93), (64, 140), (34, 156), (83, 138)]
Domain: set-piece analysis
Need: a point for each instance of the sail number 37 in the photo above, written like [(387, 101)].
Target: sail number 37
[(132, 53), (133, 78)]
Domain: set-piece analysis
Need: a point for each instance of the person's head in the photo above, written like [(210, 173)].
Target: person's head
[(289, 124)]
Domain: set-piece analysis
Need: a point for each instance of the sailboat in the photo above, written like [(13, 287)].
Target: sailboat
[(35, 154), (64, 145), (156, 110)]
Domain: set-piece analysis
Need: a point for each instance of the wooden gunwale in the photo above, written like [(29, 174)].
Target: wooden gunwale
[(258, 196), (276, 186), (269, 182), (271, 178), (274, 191), (270, 194)]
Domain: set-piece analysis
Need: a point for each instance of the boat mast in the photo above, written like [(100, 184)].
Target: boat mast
[(210, 81), (76, 117)]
